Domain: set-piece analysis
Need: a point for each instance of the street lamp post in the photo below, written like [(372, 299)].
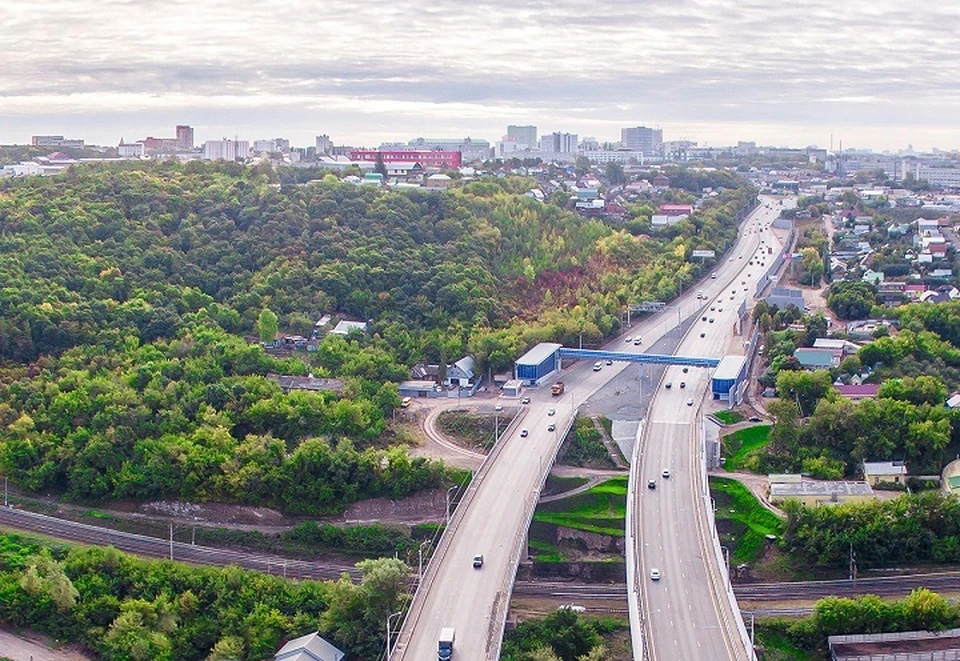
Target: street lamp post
[(726, 559), (449, 491), (389, 619), (425, 542)]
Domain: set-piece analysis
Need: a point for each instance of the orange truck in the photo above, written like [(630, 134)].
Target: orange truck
[(557, 389)]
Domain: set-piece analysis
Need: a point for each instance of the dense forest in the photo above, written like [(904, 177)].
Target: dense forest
[(126, 290)]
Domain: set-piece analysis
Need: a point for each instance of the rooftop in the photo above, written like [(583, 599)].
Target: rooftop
[(539, 353), (819, 488), (729, 367), (884, 468), (903, 646)]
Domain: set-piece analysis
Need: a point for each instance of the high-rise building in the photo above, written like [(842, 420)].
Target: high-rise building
[(261, 146), (184, 137), (324, 144), (641, 138), (225, 150), (525, 136), (562, 143)]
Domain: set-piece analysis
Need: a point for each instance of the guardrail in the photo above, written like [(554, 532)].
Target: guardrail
[(423, 587), (495, 635), (725, 590)]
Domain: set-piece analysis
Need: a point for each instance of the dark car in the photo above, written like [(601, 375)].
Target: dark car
[(651, 484)]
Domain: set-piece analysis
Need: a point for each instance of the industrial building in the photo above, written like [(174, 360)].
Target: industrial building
[(814, 494), (728, 379), (535, 366)]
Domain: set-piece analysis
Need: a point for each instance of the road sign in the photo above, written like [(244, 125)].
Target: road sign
[(705, 254)]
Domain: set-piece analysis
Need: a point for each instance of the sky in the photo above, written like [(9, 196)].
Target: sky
[(881, 74)]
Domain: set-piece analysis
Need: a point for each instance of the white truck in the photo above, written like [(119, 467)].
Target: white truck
[(445, 644)]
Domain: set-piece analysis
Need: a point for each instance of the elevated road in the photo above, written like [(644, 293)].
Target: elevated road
[(495, 513), (680, 607)]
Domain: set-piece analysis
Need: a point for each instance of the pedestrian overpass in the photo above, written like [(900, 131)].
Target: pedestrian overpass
[(657, 359)]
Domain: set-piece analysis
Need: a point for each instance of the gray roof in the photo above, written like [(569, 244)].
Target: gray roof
[(539, 353), (309, 648), (884, 468), (729, 367), (797, 490), (463, 368), (903, 646)]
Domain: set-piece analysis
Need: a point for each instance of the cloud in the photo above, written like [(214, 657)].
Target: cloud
[(581, 65)]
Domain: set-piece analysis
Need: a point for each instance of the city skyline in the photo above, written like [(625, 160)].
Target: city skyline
[(713, 71)]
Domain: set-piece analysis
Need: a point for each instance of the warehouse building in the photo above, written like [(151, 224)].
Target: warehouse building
[(728, 379), (538, 364)]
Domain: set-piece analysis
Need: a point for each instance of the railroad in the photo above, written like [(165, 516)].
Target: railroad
[(887, 586)]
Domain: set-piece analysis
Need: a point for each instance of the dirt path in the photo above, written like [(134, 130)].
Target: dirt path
[(435, 444), (28, 646), (586, 486)]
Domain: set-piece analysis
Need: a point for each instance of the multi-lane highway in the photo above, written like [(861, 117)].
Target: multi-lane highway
[(493, 517), (678, 583)]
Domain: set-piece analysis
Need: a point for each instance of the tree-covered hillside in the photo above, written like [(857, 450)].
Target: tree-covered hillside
[(125, 289)]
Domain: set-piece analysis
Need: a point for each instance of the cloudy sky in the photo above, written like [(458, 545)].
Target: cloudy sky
[(874, 73)]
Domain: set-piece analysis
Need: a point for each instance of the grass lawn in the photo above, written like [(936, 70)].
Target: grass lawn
[(728, 417), (750, 522), (777, 647), (556, 484), (738, 446), (601, 509)]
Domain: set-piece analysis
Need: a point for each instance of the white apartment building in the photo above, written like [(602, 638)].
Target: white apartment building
[(225, 150)]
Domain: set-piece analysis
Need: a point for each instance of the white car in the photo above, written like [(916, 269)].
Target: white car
[(551, 411), (628, 340), (654, 574), (666, 473)]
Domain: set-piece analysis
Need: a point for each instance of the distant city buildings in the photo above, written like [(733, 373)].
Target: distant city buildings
[(561, 143), (324, 144), (643, 139), (444, 159), (184, 137), (225, 150), (55, 141), (523, 136)]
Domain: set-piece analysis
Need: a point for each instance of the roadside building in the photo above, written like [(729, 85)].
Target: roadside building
[(311, 647), (538, 364), (889, 472), (420, 388), (728, 378), (901, 646), (817, 493)]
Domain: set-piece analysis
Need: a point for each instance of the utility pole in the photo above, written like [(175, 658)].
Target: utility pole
[(171, 540), (853, 563)]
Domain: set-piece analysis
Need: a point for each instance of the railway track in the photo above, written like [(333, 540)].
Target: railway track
[(890, 586)]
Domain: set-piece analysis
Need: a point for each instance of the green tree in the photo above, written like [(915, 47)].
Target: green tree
[(267, 325), (804, 388), (852, 299)]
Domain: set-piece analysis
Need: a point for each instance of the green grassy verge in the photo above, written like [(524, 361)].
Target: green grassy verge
[(557, 484), (740, 445), (601, 509), (750, 522), (728, 417), (778, 647)]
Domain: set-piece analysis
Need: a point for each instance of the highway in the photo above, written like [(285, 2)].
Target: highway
[(495, 513), (684, 609)]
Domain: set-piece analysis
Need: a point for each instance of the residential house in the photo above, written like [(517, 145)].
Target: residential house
[(461, 373), (875, 472), (818, 359), (311, 647), (873, 277), (439, 180), (857, 392), (953, 402), (847, 347), (913, 291), (676, 209)]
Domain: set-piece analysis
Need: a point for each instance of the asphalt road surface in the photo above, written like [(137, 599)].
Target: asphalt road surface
[(494, 516), (685, 609)]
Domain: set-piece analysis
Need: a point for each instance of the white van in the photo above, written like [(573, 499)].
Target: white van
[(597, 366)]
